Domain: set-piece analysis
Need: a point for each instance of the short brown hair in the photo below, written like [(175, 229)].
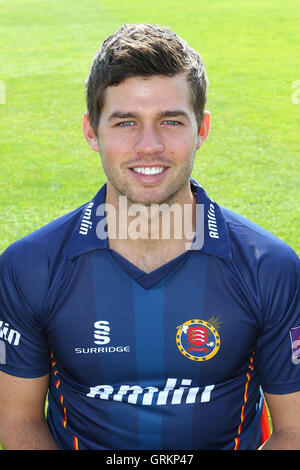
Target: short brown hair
[(143, 50)]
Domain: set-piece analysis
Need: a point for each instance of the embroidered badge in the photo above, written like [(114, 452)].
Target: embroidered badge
[(295, 343), (199, 340)]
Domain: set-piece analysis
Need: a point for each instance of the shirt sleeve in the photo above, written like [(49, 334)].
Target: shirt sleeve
[(278, 347), (24, 350)]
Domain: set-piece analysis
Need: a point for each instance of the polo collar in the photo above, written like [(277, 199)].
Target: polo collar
[(212, 236)]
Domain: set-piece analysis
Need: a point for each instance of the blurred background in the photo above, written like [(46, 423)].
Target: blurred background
[(250, 162)]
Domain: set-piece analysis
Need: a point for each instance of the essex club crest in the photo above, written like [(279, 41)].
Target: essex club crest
[(199, 340)]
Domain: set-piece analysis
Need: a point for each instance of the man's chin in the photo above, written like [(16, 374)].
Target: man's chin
[(149, 199), (150, 196)]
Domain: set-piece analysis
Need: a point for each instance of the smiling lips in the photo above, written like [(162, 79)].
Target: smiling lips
[(148, 174), (149, 170)]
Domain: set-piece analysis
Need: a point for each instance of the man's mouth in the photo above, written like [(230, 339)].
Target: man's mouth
[(146, 170), (149, 174)]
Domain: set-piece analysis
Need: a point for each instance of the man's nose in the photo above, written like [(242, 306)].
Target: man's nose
[(149, 141)]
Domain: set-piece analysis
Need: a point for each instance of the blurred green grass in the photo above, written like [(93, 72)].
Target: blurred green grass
[(250, 163)]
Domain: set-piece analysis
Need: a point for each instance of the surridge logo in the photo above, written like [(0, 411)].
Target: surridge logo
[(101, 334), (102, 339)]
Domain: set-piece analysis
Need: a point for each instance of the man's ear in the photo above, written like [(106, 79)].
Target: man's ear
[(204, 129), (89, 133)]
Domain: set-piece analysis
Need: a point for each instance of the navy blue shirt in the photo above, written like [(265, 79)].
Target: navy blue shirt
[(173, 359)]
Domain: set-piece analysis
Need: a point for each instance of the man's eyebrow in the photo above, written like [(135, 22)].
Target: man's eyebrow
[(163, 114), (121, 115), (173, 113)]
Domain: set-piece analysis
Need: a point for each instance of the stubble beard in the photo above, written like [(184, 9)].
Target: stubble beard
[(170, 196)]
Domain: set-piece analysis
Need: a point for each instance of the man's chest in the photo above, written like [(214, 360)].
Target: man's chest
[(192, 327)]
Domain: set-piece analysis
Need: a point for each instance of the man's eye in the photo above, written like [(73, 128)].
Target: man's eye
[(171, 123), (125, 123)]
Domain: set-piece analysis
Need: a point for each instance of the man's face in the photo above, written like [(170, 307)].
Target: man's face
[(147, 138)]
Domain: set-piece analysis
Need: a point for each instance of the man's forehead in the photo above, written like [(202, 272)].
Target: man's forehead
[(168, 113), (161, 93)]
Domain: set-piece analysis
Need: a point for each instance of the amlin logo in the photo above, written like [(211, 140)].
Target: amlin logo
[(7, 335), (171, 393), (86, 223)]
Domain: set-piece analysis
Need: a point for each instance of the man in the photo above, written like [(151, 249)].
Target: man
[(155, 338)]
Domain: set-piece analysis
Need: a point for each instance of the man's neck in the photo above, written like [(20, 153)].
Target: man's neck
[(151, 236)]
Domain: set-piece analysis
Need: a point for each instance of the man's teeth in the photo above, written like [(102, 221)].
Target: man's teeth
[(154, 170)]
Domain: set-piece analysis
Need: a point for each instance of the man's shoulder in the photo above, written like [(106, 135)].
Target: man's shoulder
[(44, 243), (251, 242)]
